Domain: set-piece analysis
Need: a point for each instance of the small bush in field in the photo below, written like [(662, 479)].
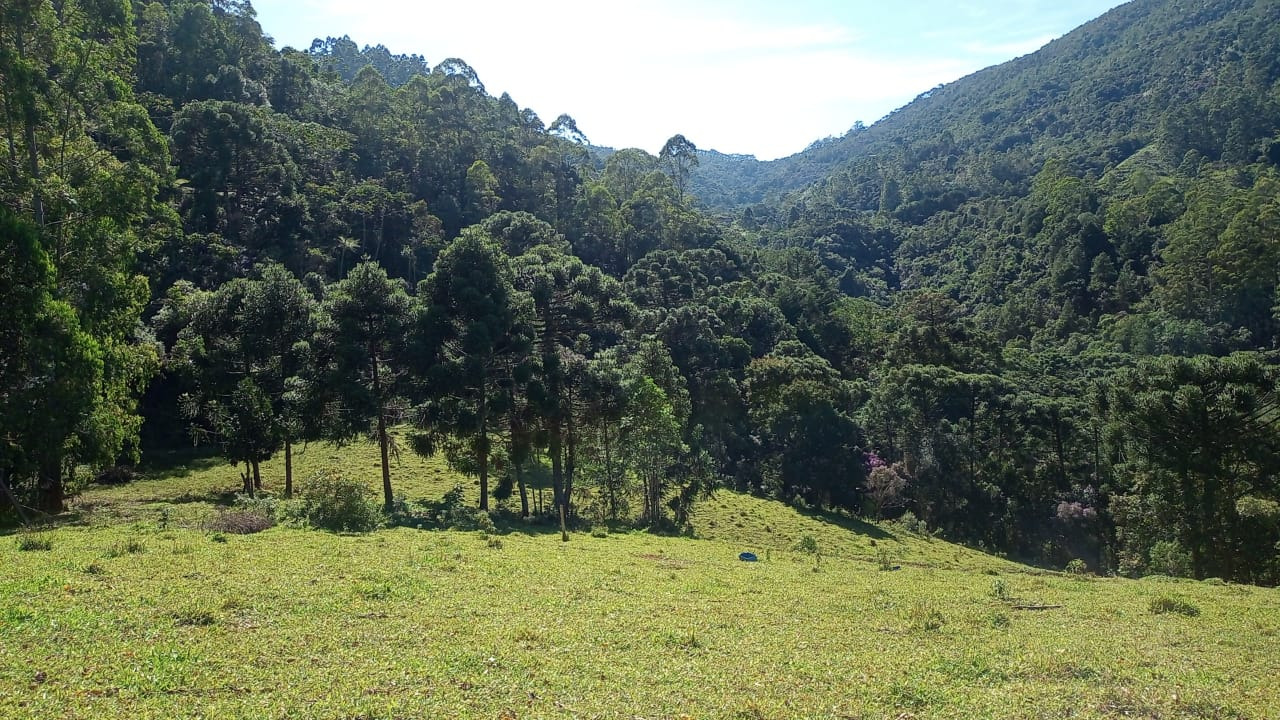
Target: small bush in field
[(924, 616), (333, 502), (120, 548), (1165, 604), (807, 544), (1076, 567), (883, 559), (238, 521), (34, 542)]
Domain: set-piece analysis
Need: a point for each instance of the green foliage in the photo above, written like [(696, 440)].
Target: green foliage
[(127, 546), (330, 501), (1165, 604), (807, 544), (34, 542), (1168, 557), (961, 312), (1076, 566)]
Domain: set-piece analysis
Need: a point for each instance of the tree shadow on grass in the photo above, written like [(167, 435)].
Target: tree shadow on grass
[(845, 522), (179, 463)]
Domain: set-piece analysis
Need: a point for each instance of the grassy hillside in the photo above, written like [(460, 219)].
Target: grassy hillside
[(135, 611)]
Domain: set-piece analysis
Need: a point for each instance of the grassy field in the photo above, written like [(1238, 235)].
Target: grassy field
[(135, 610)]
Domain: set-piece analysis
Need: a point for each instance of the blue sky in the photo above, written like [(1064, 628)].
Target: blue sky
[(739, 76)]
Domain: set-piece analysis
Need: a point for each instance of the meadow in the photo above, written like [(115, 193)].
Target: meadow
[(134, 608)]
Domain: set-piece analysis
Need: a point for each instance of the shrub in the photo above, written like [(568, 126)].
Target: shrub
[(909, 522), (1165, 604), (32, 542), (924, 616), (883, 559), (1000, 590), (120, 548), (241, 522), (333, 502), (1169, 558), (1076, 567), (807, 544), (599, 531), (117, 475)]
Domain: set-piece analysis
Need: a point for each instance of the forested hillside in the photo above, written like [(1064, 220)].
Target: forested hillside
[(1034, 309)]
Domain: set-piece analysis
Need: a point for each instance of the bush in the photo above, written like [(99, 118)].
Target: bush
[(32, 542), (1165, 604), (883, 559), (237, 521), (909, 522), (118, 475), (1169, 558), (333, 502), (131, 546), (453, 513), (1000, 591), (1076, 567), (807, 544), (924, 616)]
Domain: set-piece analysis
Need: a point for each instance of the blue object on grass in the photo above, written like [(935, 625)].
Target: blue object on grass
[(747, 557)]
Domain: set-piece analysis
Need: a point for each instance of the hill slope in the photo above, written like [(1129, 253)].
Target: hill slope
[(1199, 75), (135, 612)]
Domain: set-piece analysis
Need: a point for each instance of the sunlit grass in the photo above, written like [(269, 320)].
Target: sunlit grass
[(135, 613)]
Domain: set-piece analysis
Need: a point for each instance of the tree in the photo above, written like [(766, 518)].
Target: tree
[(650, 442), (1200, 444), (246, 344), (579, 311), (361, 358), (678, 157), (50, 368), (799, 407), (475, 329), (84, 165)]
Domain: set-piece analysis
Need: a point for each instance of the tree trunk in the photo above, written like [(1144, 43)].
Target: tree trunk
[(524, 491), (611, 483), (49, 491), (557, 471), (30, 119), (257, 476), (482, 446), (570, 460), (246, 480), (513, 427), (288, 468), (388, 500)]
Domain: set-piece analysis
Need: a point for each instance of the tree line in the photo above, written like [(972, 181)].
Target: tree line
[(270, 247)]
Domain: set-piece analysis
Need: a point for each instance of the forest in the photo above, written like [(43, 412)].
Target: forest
[(1034, 312)]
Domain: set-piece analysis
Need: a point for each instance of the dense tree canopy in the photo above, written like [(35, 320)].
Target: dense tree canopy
[(1037, 309)]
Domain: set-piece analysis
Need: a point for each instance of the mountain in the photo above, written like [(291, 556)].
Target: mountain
[(1186, 74)]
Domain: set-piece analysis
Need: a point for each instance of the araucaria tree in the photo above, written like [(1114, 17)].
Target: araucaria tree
[(242, 355), (474, 332), (360, 351)]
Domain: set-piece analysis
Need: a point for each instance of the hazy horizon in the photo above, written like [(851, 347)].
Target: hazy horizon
[(635, 76)]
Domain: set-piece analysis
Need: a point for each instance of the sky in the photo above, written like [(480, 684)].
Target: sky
[(757, 77)]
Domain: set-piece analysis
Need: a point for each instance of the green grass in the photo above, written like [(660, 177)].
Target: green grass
[(135, 613)]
